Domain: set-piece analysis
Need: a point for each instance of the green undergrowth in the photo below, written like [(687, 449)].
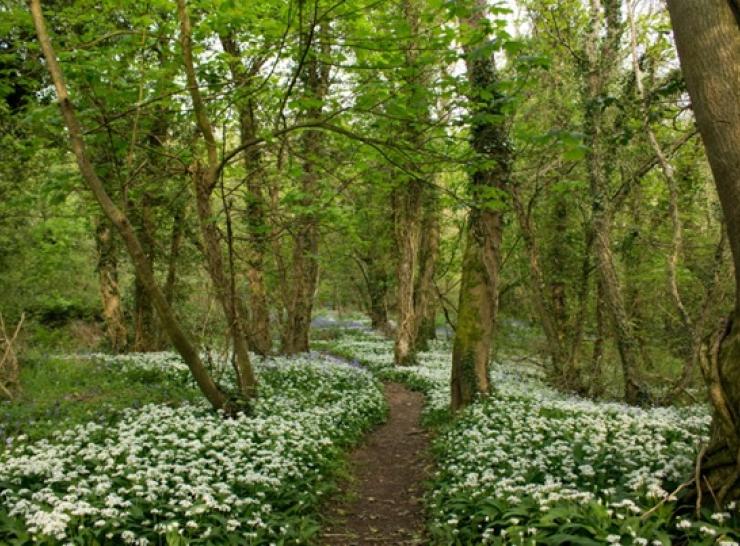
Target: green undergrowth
[(179, 473), (58, 393)]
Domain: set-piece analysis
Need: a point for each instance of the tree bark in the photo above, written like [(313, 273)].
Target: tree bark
[(260, 338), (481, 259), (144, 324), (204, 181), (110, 295), (305, 265), (407, 196), (707, 36), (601, 57), (143, 269), (424, 292)]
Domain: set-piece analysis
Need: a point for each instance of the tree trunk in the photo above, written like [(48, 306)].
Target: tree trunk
[(542, 299), (205, 180), (223, 288), (708, 41), (143, 269), (144, 324), (407, 196), (481, 259), (260, 338), (110, 295), (601, 55), (377, 289), (305, 266), (424, 292)]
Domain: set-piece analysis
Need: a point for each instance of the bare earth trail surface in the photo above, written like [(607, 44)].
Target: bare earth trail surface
[(381, 503)]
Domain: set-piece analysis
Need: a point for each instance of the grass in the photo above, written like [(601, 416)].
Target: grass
[(58, 393)]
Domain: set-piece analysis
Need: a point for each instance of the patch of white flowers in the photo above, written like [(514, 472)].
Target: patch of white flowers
[(186, 470), (531, 457)]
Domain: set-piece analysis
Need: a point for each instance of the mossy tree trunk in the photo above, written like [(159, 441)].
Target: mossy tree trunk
[(598, 73), (707, 35), (482, 255)]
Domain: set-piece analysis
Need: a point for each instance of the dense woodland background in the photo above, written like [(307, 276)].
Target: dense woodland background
[(359, 121)]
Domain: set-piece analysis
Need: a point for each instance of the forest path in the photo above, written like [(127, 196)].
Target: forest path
[(381, 503)]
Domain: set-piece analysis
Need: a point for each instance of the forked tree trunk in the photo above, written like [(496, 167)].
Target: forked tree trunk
[(707, 35), (221, 285), (143, 269), (481, 259), (204, 181), (110, 295)]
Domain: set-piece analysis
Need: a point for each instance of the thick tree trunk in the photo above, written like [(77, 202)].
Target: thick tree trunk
[(143, 269), (708, 39), (476, 315), (110, 295)]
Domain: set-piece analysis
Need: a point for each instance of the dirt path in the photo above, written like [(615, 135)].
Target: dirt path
[(382, 502)]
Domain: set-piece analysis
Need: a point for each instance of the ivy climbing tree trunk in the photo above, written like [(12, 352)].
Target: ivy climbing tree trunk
[(110, 295), (601, 62), (143, 269), (478, 304), (707, 36)]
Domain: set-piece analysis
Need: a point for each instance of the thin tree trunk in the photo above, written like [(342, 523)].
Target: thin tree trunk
[(541, 298), (424, 293), (476, 315), (708, 41), (407, 196), (259, 333), (204, 180), (144, 324), (143, 269), (110, 295), (602, 46)]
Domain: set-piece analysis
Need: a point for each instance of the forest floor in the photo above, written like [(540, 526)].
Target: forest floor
[(381, 502)]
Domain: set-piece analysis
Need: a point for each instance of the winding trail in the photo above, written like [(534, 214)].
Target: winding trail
[(381, 503)]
